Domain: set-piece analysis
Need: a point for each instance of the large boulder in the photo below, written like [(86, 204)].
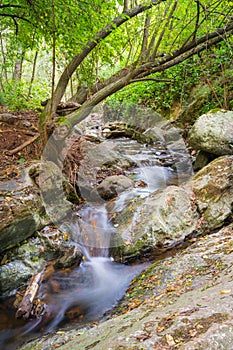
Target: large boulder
[(22, 211), (162, 219), (213, 189), (213, 133), (21, 263), (168, 216)]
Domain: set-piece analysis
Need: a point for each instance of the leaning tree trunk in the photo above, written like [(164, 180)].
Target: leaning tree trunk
[(137, 74), (51, 106)]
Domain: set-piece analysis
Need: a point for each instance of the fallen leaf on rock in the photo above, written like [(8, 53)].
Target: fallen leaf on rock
[(65, 236), (41, 250), (160, 296), (160, 329), (199, 326), (227, 291), (192, 332), (170, 340)]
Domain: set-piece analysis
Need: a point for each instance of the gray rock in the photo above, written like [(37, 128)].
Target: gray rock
[(97, 156), (113, 185), (162, 219), (155, 134), (33, 256), (213, 188), (181, 302), (213, 133), (22, 211)]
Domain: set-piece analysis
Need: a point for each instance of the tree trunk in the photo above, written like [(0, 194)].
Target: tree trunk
[(32, 76), (77, 60), (135, 73)]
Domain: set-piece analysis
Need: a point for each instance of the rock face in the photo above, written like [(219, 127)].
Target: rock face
[(21, 213), (182, 302), (113, 185), (213, 133), (213, 188), (164, 218), (34, 255)]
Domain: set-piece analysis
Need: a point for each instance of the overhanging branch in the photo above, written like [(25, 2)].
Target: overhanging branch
[(102, 34), (13, 16), (157, 80)]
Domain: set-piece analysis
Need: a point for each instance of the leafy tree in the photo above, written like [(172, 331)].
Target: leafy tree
[(106, 45), (150, 38)]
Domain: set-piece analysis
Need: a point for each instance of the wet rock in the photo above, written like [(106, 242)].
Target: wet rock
[(113, 185), (22, 211), (21, 263), (97, 156), (164, 218), (170, 215), (154, 134), (170, 305), (213, 188), (52, 186), (213, 133)]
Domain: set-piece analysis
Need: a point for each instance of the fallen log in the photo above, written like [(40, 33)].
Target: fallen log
[(26, 305)]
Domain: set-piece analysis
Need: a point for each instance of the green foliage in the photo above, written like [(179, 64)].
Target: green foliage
[(214, 69), (29, 28), (15, 95)]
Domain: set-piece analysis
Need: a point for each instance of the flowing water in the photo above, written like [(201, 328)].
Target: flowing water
[(85, 293)]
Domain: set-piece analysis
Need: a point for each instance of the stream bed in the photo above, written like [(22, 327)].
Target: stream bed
[(85, 293)]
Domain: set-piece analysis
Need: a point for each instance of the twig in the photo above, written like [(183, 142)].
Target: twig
[(153, 79), (26, 304), (26, 143)]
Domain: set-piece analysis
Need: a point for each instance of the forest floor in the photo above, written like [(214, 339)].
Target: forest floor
[(16, 130)]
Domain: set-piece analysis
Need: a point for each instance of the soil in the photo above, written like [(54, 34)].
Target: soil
[(15, 129)]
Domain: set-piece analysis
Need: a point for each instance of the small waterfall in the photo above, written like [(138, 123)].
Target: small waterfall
[(85, 293)]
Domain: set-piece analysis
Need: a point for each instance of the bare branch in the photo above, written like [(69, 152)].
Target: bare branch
[(152, 41), (164, 29), (194, 47), (25, 144), (9, 5), (197, 19), (157, 80), (14, 17), (145, 34), (126, 6)]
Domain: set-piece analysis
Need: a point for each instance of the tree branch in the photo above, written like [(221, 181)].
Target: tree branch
[(9, 5), (152, 79), (2, 14), (197, 19), (102, 34), (177, 57), (26, 143), (163, 30)]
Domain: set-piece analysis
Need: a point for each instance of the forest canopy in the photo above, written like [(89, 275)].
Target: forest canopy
[(85, 51)]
